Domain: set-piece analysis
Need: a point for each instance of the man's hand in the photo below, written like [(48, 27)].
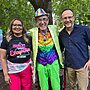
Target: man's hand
[(87, 65)]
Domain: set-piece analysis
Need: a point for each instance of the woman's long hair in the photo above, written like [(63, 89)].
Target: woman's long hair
[(9, 32)]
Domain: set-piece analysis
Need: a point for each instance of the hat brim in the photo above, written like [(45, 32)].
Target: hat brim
[(47, 14)]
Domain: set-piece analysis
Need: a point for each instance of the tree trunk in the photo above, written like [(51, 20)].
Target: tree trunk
[(44, 4)]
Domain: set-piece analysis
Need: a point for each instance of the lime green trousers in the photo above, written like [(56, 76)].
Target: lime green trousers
[(49, 71)]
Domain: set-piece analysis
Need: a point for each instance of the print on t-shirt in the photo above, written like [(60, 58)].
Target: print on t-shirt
[(19, 50)]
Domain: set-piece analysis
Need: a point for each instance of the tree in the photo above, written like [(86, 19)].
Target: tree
[(25, 10), (81, 9), (16, 8)]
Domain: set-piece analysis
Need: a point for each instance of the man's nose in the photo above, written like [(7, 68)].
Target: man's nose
[(67, 19), (42, 21)]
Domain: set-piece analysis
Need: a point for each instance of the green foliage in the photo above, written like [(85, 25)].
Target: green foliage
[(10, 9), (81, 8)]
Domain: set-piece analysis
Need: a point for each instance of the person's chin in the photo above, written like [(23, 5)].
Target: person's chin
[(43, 28), (69, 26)]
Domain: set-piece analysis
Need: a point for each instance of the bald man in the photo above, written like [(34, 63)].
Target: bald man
[(74, 39)]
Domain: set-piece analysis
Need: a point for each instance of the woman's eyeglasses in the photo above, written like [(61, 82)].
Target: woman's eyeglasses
[(20, 25), (16, 26)]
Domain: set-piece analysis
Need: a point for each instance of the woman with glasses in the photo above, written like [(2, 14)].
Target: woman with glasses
[(16, 57)]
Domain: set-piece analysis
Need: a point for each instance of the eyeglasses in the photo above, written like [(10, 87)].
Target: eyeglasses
[(43, 19), (15, 25), (69, 17)]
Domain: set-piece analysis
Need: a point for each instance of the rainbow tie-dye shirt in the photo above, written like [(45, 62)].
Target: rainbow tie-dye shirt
[(46, 53)]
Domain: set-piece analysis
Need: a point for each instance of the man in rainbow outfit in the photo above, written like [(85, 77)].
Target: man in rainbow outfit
[(47, 56)]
